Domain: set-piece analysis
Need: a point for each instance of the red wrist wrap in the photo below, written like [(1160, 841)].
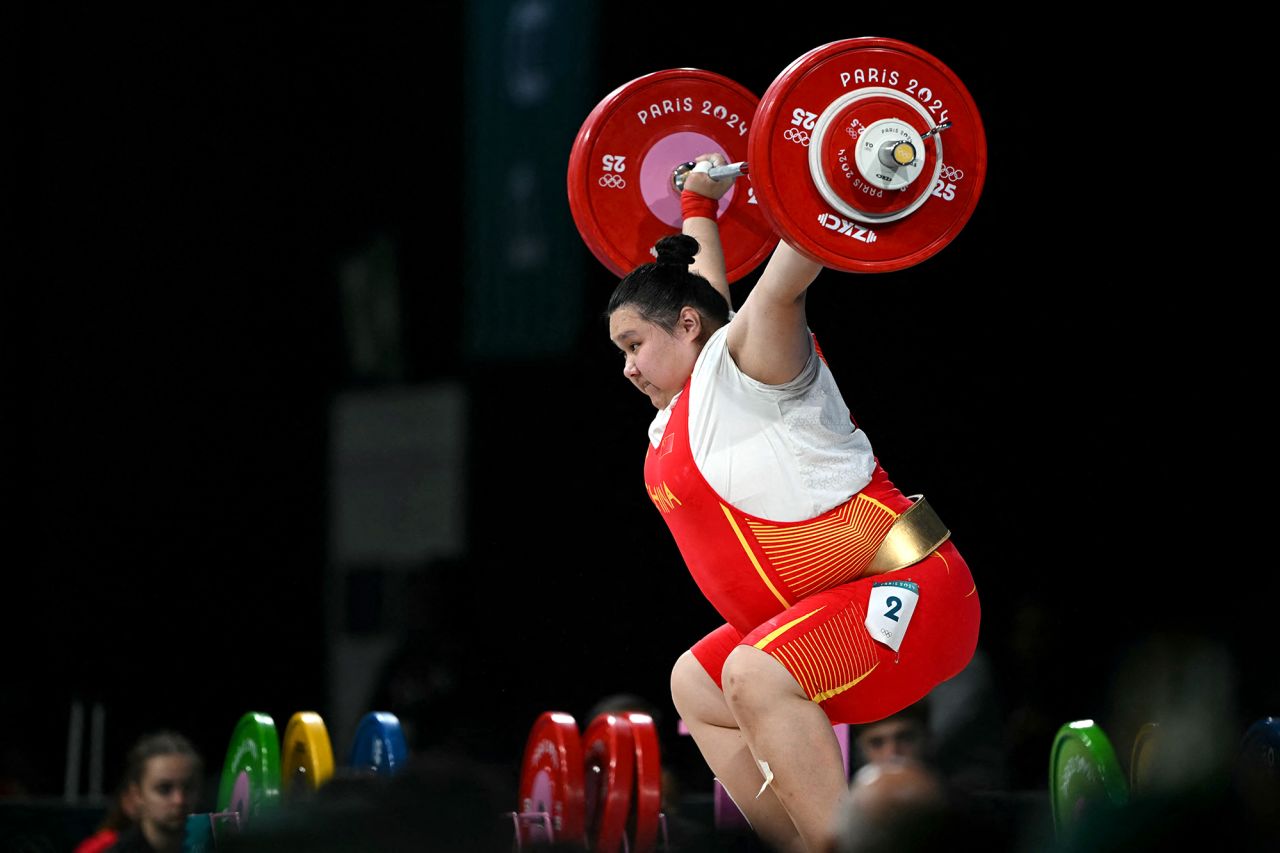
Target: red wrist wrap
[(692, 204)]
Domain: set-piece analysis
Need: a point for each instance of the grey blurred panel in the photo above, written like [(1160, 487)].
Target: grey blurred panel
[(398, 469), (530, 73)]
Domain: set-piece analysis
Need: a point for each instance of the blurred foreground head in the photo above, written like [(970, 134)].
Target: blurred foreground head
[(894, 805)]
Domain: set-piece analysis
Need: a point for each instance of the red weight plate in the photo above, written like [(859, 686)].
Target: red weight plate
[(551, 779), (647, 802), (876, 70), (620, 189), (610, 754)]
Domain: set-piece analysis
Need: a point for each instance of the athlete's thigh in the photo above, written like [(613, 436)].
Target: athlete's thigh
[(824, 643)]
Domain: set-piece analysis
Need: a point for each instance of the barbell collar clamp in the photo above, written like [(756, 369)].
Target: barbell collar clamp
[(937, 128)]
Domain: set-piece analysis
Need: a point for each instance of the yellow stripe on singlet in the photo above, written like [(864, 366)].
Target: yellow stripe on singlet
[(773, 635), (877, 503), (824, 696), (742, 540)]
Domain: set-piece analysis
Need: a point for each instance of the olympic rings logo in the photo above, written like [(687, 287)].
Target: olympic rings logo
[(611, 181), (855, 129), (798, 136), (950, 173)]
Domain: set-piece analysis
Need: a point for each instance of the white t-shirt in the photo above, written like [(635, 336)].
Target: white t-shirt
[(781, 452)]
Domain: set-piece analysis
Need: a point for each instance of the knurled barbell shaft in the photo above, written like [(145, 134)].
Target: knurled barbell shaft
[(729, 170)]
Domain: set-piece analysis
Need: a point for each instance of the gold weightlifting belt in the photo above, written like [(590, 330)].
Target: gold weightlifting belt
[(915, 534)]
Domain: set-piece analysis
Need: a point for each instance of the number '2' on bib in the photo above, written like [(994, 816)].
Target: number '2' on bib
[(889, 611)]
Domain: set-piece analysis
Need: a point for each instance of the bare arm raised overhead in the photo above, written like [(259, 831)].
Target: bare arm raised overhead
[(769, 336), (709, 262)]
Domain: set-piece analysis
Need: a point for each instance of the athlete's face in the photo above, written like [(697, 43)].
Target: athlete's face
[(656, 361)]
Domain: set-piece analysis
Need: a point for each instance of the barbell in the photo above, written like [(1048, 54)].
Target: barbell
[(844, 157)]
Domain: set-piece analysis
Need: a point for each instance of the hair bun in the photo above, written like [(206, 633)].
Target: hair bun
[(677, 250)]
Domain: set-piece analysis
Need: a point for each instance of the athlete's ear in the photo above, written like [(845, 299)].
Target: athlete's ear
[(689, 322)]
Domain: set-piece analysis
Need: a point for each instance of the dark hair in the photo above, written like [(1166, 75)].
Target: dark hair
[(657, 291), (149, 746), (916, 712)]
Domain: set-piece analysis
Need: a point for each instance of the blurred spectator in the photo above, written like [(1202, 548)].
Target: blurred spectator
[(956, 730), (904, 735), (162, 776)]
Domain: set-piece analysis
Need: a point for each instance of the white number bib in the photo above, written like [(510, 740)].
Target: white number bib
[(889, 611)]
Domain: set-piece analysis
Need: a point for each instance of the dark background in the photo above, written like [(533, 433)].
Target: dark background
[(1064, 379)]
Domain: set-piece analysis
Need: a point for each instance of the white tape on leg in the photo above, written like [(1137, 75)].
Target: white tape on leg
[(768, 776)]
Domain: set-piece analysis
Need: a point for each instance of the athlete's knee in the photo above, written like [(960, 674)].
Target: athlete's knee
[(681, 677), (688, 686), (753, 682)]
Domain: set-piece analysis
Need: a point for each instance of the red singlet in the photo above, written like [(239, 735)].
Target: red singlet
[(792, 589)]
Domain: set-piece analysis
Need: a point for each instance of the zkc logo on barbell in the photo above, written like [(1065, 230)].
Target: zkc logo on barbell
[(836, 223)]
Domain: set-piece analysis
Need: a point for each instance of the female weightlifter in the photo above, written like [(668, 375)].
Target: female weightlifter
[(844, 600)]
